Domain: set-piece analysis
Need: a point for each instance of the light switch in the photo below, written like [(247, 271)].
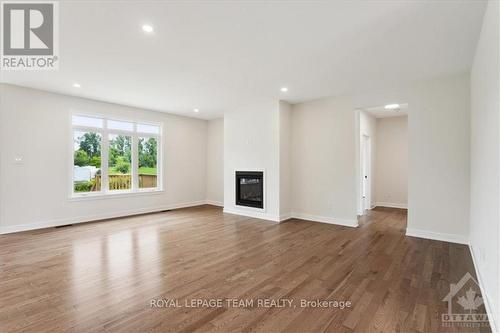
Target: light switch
[(18, 160)]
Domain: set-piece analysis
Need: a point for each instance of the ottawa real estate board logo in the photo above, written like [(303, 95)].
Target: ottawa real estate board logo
[(29, 35), (466, 306)]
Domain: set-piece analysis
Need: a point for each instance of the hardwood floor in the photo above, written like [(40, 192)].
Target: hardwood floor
[(102, 277)]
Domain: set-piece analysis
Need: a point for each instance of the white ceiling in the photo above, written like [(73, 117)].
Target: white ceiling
[(217, 55), (382, 112)]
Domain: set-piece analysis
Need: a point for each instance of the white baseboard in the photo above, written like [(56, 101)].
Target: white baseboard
[(452, 238), (286, 216), (254, 214), (214, 203), (391, 205), (486, 298), (326, 219), (283, 217), (95, 217)]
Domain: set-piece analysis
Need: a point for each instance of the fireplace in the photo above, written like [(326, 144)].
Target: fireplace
[(250, 189)]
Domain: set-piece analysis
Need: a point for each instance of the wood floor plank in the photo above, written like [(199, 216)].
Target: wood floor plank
[(103, 276)]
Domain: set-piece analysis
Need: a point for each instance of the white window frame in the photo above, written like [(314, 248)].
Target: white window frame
[(105, 133)]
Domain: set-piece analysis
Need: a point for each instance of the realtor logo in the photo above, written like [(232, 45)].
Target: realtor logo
[(30, 34), (465, 304)]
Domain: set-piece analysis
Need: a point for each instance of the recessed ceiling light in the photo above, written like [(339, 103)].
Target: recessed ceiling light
[(147, 28), (284, 89), (76, 85), (391, 106), (196, 110)]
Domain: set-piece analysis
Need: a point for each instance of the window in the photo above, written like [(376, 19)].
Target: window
[(130, 150), (148, 165), (120, 162), (86, 161)]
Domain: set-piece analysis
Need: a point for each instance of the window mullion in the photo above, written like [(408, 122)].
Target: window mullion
[(159, 162), (105, 162), (135, 162)]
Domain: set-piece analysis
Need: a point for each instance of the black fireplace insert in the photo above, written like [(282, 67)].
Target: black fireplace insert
[(250, 189)]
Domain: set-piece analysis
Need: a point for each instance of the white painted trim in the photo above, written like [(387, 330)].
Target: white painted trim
[(484, 294), (131, 212), (391, 205), (254, 214), (326, 219), (286, 216), (283, 217), (115, 194), (357, 149), (95, 217), (452, 238), (365, 143), (214, 203)]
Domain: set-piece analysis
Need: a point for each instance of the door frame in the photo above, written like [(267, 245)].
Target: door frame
[(365, 173)]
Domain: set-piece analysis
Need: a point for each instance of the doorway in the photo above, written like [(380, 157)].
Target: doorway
[(382, 145)]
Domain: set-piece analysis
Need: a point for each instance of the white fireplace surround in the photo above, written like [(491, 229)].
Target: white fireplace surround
[(250, 211)]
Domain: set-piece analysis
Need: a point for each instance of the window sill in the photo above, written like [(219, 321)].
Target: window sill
[(114, 195)]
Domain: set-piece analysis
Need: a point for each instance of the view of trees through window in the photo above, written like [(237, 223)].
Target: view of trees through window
[(87, 161), (120, 162), (148, 154), (130, 151)]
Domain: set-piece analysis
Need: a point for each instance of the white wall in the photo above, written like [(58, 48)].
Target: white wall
[(485, 156), (323, 161), (439, 153), (251, 143), (215, 162), (439, 157), (325, 164), (285, 151), (36, 126), (368, 127), (392, 162)]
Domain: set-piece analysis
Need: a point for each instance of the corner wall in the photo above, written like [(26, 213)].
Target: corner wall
[(324, 161), (215, 162), (285, 149), (485, 161), (325, 168), (36, 125), (439, 158)]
